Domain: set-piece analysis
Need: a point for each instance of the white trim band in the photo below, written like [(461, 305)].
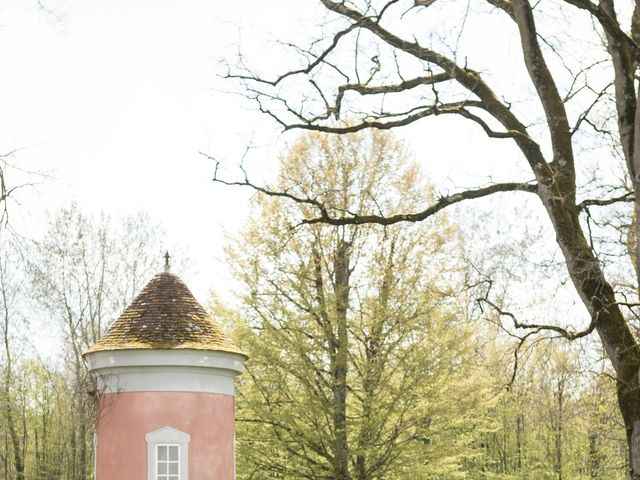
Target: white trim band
[(187, 358), (165, 379), (166, 371)]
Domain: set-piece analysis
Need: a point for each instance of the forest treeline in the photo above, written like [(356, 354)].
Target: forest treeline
[(58, 293), (369, 356)]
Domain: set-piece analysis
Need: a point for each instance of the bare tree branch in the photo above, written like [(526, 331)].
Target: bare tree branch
[(544, 83), (364, 89), (312, 65), (539, 327), (357, 219), (602, 202), (609, 23)]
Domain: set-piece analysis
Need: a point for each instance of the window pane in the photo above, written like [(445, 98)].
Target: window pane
[(173, 477), (162, 477), (162, 468), (173, 453), (173, 468), (162, 452)]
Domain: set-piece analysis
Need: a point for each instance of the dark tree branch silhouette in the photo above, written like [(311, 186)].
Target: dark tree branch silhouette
[(448, 87)]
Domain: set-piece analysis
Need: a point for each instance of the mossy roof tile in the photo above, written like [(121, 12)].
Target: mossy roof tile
[(165, 315)]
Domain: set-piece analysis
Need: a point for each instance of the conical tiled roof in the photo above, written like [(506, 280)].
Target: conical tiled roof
[(165, 315)]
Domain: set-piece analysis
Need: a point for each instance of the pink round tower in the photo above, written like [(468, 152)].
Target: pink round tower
[(165, 375)]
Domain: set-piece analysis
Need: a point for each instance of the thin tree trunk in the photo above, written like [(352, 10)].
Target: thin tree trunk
[(6, 457), (559, 428), (15, 440), (340, 361), (519, 432), (594, 460), (83, 442)]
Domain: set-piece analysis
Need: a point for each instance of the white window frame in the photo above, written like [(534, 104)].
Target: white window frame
[(168, 460), (172, 437)]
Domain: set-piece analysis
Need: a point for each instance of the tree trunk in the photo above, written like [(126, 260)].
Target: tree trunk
[(559, 428), (83, 441), (8, 378), (15, 440), (519, 433), (599, 298), (339, 362), (594, 456), (6, 457)]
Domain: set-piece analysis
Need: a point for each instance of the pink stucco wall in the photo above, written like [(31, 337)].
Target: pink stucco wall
[(125, 418)]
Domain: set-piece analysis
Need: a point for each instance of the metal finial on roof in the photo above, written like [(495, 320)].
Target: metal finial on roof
[(167, 263)]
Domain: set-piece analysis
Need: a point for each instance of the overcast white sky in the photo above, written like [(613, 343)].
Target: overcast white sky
[(115, 100)]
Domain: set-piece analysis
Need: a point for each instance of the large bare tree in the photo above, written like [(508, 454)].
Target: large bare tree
[(386, 64)]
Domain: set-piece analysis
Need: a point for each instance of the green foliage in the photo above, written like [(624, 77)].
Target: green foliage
[(78, 278), (41, 399), (379, 366), (556, 421), (414, 402), (429, 392)]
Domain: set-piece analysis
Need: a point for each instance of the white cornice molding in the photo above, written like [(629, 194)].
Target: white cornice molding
[(166, 371), (233, 362)]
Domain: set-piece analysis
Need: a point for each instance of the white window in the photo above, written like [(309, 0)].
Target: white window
[(167, 461), (167, 454)]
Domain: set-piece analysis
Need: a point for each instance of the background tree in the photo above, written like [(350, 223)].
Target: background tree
[(75, 281), (358, 355), (10, 322), (392, 63)]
